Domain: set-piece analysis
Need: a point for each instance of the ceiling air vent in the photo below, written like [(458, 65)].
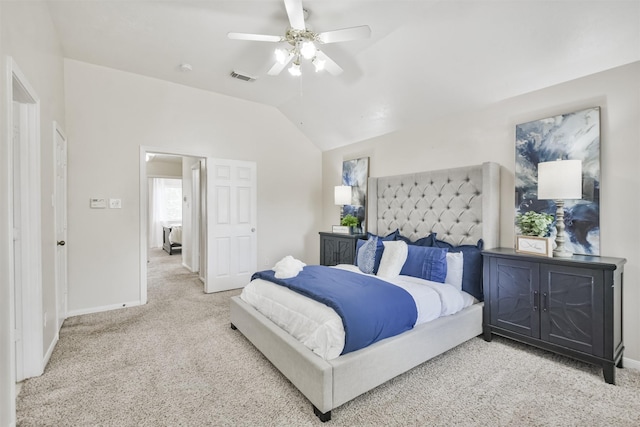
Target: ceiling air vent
[(239, 76)]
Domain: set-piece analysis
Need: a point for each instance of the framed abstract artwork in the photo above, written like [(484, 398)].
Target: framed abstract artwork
[(572, 136), (355, 174)]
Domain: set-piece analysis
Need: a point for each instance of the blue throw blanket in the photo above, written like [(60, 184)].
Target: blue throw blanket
[(371, 309)]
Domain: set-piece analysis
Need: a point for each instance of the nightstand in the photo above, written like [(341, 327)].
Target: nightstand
[(570, 306), (338, 248)]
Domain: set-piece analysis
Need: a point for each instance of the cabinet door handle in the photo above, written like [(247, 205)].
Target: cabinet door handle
[(545, 303), (536, 300)]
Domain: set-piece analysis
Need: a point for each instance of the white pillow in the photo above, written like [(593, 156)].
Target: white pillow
[(455, 264), (393, 258)]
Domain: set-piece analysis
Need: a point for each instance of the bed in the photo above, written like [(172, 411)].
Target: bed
[(460, 206), (172, 239)]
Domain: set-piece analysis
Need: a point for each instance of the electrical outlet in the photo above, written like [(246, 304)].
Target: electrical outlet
[(115, 203), (267, 262)]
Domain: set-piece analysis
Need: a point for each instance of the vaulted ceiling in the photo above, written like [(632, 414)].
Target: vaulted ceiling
[(424, 60)]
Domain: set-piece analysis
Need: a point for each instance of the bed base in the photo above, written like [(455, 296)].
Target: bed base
[(329, 384)]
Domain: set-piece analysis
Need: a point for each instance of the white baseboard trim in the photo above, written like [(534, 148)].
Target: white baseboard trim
[(79, 312), (630, 363), (49, 352)]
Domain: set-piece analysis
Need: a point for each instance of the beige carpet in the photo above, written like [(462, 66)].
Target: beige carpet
[(176, 362)]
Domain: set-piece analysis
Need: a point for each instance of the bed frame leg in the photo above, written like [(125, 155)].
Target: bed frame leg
[(233, 326), (323, 417)]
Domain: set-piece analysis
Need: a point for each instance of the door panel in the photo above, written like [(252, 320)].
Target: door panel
[(515, 297), (233, 258), (572, 308)]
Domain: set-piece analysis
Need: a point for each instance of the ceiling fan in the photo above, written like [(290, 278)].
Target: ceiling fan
[(304, 42)]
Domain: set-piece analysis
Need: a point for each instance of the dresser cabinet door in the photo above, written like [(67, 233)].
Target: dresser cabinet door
[(515, 296), (572, 308), (337, 250), (328, 250)]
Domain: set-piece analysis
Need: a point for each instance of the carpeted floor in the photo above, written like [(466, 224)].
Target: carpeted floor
[(176, 362)]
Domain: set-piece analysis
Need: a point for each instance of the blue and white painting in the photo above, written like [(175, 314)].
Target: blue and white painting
[(573, 136), (355, 174)]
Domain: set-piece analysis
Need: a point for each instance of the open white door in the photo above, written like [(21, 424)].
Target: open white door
[(60, 211), (232, 235)]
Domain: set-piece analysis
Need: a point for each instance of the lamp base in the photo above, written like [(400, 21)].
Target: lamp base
[(560, 251), (562, 254)]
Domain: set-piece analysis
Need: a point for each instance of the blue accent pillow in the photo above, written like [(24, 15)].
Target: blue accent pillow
[(366, 258), (391, 236), (379, 249), (425, 241), (426, 263), (472, 266)]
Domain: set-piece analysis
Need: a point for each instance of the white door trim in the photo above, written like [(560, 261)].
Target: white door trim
[(144, 209), (195, 217), (30, 311), (60, 288)]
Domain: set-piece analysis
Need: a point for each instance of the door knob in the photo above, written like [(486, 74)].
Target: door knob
[(61, 243)]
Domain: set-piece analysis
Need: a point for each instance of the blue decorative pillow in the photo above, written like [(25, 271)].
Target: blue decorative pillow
[(426, 263), (472, 266), (367, 255), (425, 241), (388, 237), (378, 256)]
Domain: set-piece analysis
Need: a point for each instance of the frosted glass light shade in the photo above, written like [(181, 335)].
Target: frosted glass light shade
[(342, 195), (560, 180)]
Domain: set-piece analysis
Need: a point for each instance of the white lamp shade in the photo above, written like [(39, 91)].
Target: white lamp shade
[(342, 195), (560, 180)]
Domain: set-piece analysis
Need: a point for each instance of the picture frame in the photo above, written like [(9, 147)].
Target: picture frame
[(340, 229), (533, 245)]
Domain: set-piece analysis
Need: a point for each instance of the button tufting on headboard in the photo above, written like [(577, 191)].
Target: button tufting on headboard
[(450, 202)]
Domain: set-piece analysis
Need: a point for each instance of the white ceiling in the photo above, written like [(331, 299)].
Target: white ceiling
[(425, 59)]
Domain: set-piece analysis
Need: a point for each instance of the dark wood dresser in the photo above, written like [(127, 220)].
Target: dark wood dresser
[(570, 306)]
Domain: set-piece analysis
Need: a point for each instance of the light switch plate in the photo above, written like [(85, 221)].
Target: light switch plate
[(115, 203), (98, 203)]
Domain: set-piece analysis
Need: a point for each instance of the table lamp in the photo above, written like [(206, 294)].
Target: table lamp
[(342, 196), (560, 180)]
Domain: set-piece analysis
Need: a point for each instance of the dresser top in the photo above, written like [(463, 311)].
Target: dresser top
[(608, 263)]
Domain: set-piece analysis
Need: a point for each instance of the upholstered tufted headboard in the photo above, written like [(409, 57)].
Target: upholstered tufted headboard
[(461, 205)]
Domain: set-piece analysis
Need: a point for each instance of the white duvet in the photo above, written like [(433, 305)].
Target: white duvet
[(320, 328)]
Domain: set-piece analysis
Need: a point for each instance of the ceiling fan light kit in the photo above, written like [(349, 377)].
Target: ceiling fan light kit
[(304, 42)]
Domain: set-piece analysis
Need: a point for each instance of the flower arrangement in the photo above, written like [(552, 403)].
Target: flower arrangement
[(534, 223), (349, 221)]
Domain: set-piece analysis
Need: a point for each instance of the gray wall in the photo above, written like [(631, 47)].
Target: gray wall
[(104, 265), (488, 134)]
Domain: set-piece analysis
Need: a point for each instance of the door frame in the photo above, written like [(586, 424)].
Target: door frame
[(30, 347), (60, 288), (144, 208), (195, 217)]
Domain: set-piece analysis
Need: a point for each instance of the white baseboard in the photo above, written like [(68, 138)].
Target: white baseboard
[(91, 310), (49, 352), (630, 363)]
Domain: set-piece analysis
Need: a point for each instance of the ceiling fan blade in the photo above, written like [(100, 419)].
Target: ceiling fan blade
[(329, 64), (254, 37), (345, 34), (295, 13), (278, 67)]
